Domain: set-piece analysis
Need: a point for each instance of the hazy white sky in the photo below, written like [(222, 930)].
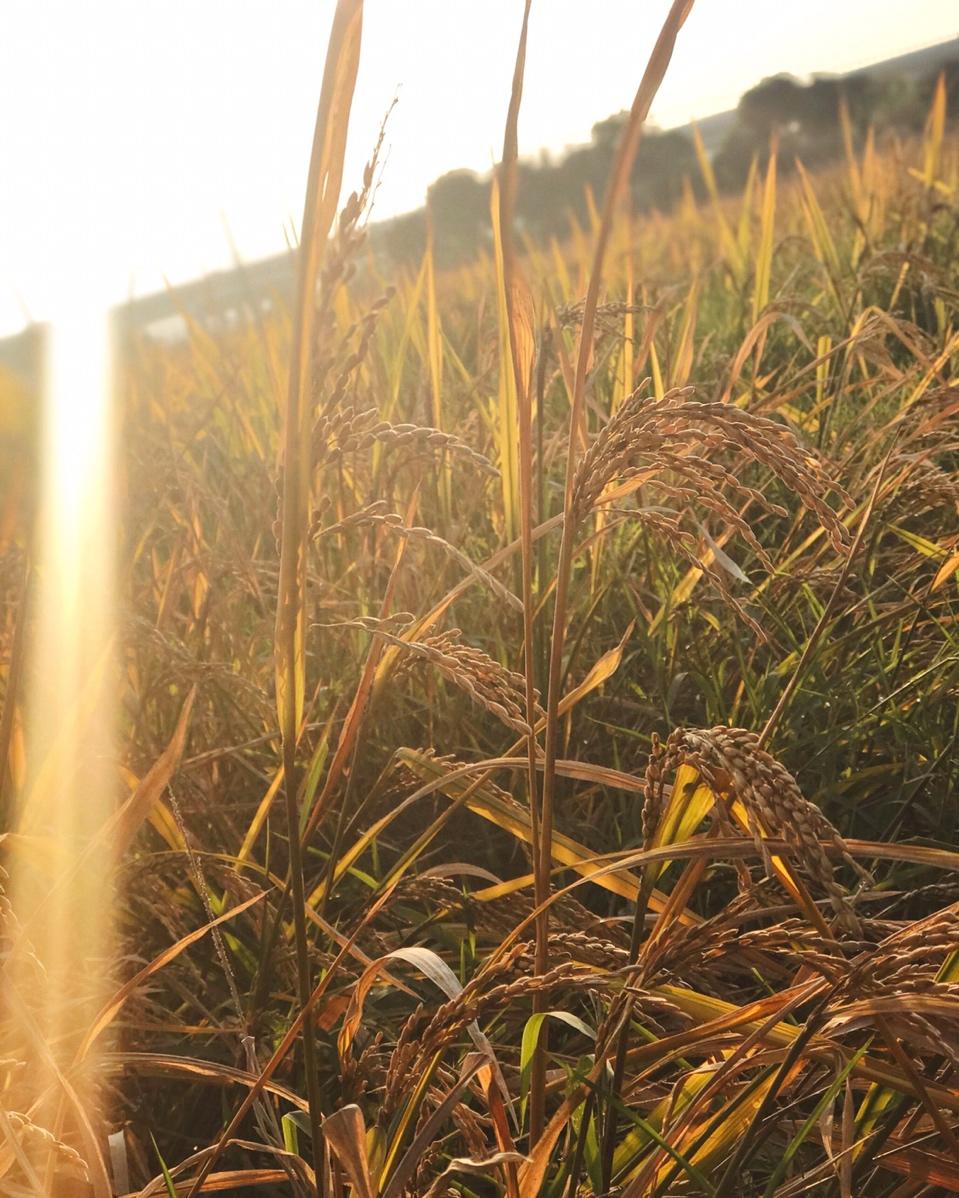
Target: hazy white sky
[(137, 131)]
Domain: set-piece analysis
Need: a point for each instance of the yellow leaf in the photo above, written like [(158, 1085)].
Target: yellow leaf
[(764, 258), (946, 571)]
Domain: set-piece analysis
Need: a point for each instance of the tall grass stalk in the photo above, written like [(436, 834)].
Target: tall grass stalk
[(322, 195), (625, 155), (519, 330)]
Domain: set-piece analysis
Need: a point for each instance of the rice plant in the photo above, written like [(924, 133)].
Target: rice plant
[(538, 709)]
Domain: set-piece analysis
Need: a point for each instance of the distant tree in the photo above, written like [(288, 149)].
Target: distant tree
[(403, 237), (804, 121), (458, 204), (663, 161), (582, 168), (927, 88), (550, 191), (542, 205), (731, 163), (899, 103), (771, 106), (819, 106), (606, 133)]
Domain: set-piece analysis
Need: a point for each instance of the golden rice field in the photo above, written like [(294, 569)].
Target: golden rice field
[(537, 715)]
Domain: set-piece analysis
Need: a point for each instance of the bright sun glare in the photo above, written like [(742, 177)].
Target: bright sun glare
[(71, 785)]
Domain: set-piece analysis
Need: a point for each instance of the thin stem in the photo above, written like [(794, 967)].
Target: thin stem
[(304, 986), (625, 155), (818, 632), (521, 362)]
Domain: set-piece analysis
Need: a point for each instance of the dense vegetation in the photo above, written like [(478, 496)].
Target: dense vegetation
[(539, 707)]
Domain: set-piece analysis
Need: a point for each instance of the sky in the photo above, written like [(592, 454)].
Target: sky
[(142, 139)]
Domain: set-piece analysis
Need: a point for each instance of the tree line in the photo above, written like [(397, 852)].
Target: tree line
[(804, 120)]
